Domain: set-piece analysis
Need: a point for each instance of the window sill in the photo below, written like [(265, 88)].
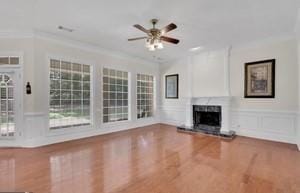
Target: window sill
[(70, 130), (116, 123)]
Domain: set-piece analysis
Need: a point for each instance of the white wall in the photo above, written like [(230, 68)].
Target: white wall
[(298, 53), (209, 74), (171, 110), (273, 119), (286, 84), (36, 51)]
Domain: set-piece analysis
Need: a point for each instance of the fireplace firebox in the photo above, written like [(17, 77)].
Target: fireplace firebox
[(207, 118)]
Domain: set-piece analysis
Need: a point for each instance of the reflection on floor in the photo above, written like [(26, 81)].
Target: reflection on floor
[(155, 159)]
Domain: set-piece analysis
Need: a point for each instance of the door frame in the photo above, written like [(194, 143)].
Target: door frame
[(20, 127)]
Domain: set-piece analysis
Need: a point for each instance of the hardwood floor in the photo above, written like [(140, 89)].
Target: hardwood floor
[(153, 159)]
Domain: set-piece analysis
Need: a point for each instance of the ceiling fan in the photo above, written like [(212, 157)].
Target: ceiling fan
[(155, 36)]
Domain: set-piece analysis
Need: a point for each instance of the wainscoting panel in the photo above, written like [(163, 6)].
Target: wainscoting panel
[(35, 125), (173, 116), (270, 125)]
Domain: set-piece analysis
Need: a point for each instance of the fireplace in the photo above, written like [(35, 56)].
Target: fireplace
[(209, 115), (207, 118)]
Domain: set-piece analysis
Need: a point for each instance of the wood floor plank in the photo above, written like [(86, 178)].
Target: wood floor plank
[(153, 159)]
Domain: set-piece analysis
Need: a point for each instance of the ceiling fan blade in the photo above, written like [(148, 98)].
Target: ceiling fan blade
[(168, 28), (140, 38), (168, 39), (141, 28)]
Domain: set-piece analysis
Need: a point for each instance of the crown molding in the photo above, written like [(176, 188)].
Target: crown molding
[(72, 43), (16, 34), (264, 42), (90, 47), (297, 25)]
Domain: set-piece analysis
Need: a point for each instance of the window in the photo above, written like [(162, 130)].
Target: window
[(115, 95), (70, 93), (9, 60), (144, 96)]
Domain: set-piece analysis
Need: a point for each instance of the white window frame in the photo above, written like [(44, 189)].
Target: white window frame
[(71, 129), (153, 98), (128, 95)]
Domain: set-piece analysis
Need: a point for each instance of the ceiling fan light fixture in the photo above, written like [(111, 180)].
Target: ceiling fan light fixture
[(160, 46), (198, 48), (152, 47), (148, 43), (155, 36), (153, 44)]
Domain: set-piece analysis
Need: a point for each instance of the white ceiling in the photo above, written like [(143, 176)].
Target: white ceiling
[(108, 23)]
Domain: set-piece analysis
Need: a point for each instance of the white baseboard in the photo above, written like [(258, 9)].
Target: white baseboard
[(48, 140), (37, 132), (267, 136)]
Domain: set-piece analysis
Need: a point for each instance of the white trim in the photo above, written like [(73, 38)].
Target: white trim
[(105, 129), (90, 47), (267, 136), (18, 71), (34, 114), (16, 34), (264, 42), (264, 111), (73, 43)]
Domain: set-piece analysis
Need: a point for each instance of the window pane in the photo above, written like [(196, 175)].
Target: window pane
[(77, 95), (13, 60), (86, 85), (69, 94), (114, 82), (76, 85), (76, 67), (66, 85), (86, 68), (76, 76), (54, 84), (86, 77), (54, 74), (4, 60)]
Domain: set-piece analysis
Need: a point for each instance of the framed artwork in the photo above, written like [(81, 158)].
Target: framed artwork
[(172, 86), (260, 79)]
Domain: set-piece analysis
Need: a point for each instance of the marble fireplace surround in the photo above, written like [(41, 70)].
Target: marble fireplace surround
[(223, 101)]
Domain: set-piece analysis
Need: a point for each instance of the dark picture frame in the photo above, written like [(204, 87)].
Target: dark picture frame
[(171, 86), (260, 79)]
